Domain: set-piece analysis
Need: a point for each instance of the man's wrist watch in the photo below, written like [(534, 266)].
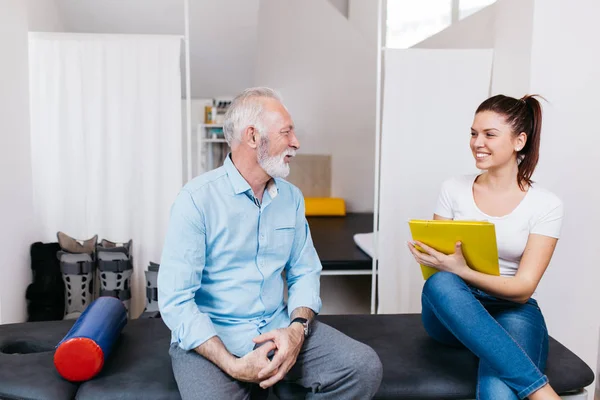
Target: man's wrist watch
[(304, 323)]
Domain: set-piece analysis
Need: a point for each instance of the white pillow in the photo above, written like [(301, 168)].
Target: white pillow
[(366, 242)]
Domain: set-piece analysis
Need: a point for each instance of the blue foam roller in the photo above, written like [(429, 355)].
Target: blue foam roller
[(81, 354)]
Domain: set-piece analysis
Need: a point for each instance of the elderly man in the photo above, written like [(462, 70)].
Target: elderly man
[(232, 232)]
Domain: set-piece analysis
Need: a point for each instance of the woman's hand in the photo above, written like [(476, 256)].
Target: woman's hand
[(454, 263)]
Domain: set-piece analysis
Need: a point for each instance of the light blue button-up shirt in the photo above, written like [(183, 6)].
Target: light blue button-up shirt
[(223, 258)]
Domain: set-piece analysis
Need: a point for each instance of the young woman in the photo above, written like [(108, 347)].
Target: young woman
[(497, 317)]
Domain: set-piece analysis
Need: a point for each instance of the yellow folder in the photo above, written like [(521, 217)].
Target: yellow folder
[(478, 240)]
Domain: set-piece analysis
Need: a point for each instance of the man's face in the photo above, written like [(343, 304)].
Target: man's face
[(278, 144)]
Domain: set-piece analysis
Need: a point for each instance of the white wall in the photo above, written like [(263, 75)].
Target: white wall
[(565, 61), (117, 16), (222, 34), (16, 206), (321, 65), (512, 47), (363, 15), (341, 5), (222, 46), (44, 16)]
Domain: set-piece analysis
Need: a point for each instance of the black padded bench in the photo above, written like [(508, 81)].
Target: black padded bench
[(415, 367)]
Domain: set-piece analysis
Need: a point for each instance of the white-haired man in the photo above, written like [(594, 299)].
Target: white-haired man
[(232, 232)]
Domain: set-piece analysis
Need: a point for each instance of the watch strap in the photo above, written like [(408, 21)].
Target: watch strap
[(299, 319)]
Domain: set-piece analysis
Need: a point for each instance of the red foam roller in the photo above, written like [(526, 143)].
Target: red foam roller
[(78, 359)]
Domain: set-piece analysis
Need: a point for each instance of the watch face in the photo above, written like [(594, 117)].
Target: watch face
[(305, 325)]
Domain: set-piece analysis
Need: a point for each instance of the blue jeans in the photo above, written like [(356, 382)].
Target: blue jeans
[(510, 339)]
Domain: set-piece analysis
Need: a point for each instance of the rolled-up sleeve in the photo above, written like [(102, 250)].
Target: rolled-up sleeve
[(303, 269), (180, 274)]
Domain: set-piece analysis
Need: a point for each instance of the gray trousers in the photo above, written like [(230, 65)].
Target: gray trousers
[(330, 365)]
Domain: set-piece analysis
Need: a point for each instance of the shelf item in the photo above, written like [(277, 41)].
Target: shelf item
[(213, 146), (215, 113)]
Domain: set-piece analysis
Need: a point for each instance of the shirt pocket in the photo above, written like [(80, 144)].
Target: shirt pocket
[(283, 240)]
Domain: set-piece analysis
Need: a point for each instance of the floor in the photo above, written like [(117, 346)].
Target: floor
[(346, 294)]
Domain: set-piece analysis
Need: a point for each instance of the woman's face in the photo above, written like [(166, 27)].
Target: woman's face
[(493, 143)]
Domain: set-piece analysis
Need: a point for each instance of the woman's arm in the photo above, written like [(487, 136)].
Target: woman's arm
[(535, 260)]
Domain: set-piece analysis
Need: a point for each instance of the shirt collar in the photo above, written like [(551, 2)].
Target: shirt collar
[(238, 182), (272, 188), (240, 185)]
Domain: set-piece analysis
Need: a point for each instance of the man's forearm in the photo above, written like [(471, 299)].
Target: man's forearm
[(303, 312), (215, 351)]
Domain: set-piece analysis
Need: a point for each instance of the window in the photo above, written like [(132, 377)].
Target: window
[(412, 21)]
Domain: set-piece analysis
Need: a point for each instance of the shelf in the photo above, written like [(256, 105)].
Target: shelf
[(211, 125), (346, 272), (213, 146)]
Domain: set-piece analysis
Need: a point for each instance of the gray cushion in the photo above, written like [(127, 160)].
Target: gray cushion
[(26, 361), (417, 367), (414, 365), (139, 367)]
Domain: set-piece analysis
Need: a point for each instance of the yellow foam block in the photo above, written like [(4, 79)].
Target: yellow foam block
[(324, 206)]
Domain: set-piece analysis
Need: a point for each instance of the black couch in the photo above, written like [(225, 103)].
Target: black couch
[(415, 367)]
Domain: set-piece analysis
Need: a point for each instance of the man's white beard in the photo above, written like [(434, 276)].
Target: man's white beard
[(274, 166)]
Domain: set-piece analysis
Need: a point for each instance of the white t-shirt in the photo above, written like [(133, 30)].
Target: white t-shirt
[(540, 212)]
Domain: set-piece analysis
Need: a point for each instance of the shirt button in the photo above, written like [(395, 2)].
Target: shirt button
[(262, 236)]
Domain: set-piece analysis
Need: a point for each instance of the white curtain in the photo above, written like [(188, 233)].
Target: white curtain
[(106, 139)]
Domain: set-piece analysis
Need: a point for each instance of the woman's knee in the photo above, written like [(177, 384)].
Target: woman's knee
[(436, 330), (441, 285)]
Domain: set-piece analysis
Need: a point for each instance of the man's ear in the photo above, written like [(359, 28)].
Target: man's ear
[(250, 136)]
